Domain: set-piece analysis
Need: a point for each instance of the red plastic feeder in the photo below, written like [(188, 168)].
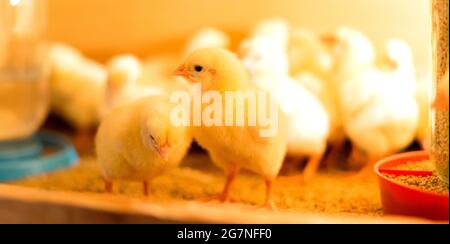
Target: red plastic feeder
[(399, 199)]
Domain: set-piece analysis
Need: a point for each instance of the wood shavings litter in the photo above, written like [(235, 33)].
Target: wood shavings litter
[(337, 192)]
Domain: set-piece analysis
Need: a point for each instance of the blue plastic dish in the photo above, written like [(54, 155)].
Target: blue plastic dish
[(42, 153)]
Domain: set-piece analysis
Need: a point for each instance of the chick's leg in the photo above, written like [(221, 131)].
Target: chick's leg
[(146, 188), (311, 168), (269, 201), (108, 186), (225, 196)]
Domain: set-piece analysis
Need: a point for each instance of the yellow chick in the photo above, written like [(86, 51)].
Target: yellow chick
[(137, 142), (124, 84), (207, 38), (77, 86), (235, 147)]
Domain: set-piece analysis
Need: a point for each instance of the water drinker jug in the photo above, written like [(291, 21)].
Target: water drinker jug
[(24, 94)]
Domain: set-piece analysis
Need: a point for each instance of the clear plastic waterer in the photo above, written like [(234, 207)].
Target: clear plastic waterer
[(24, 92), (23, 73)]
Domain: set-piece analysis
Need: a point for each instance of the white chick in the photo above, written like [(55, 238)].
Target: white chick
[(137, 142), (277, 29), (379, 107), (325, 92), (312, 64), (124, 75), (397, 56), (207, 38), (77, 86), (221, 71), (396, 51), (308, 53), (350, 51), (265, 57)]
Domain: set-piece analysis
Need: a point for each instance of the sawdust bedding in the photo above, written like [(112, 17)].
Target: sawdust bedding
[(331, 192)]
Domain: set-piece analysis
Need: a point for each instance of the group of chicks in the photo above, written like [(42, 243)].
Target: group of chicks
[(328, 88)]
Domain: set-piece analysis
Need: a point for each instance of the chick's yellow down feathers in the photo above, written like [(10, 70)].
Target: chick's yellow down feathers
[(137, 142), (124, 85), (235, 147), (77, 86)]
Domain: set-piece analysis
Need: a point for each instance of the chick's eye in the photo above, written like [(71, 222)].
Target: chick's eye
[(152, 138), (198, 68)]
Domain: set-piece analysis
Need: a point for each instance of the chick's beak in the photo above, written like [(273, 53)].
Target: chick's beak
[(180, 71), (164, 152)]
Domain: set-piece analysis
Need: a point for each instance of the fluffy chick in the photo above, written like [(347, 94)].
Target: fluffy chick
[(207, 38), (77, 86), (220, 70), (265, 57), (137, 142), (350, 51), (379, 107), (124, 83), (308, 53), (312, 65)]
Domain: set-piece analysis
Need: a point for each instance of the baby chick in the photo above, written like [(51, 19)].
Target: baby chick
[(137, 142), (124, 84), (351, 51), (77, 86), (397, 56), (308, 53), (207, 38), (312, 65), (265, 57), (379, 107), (234, 147)]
